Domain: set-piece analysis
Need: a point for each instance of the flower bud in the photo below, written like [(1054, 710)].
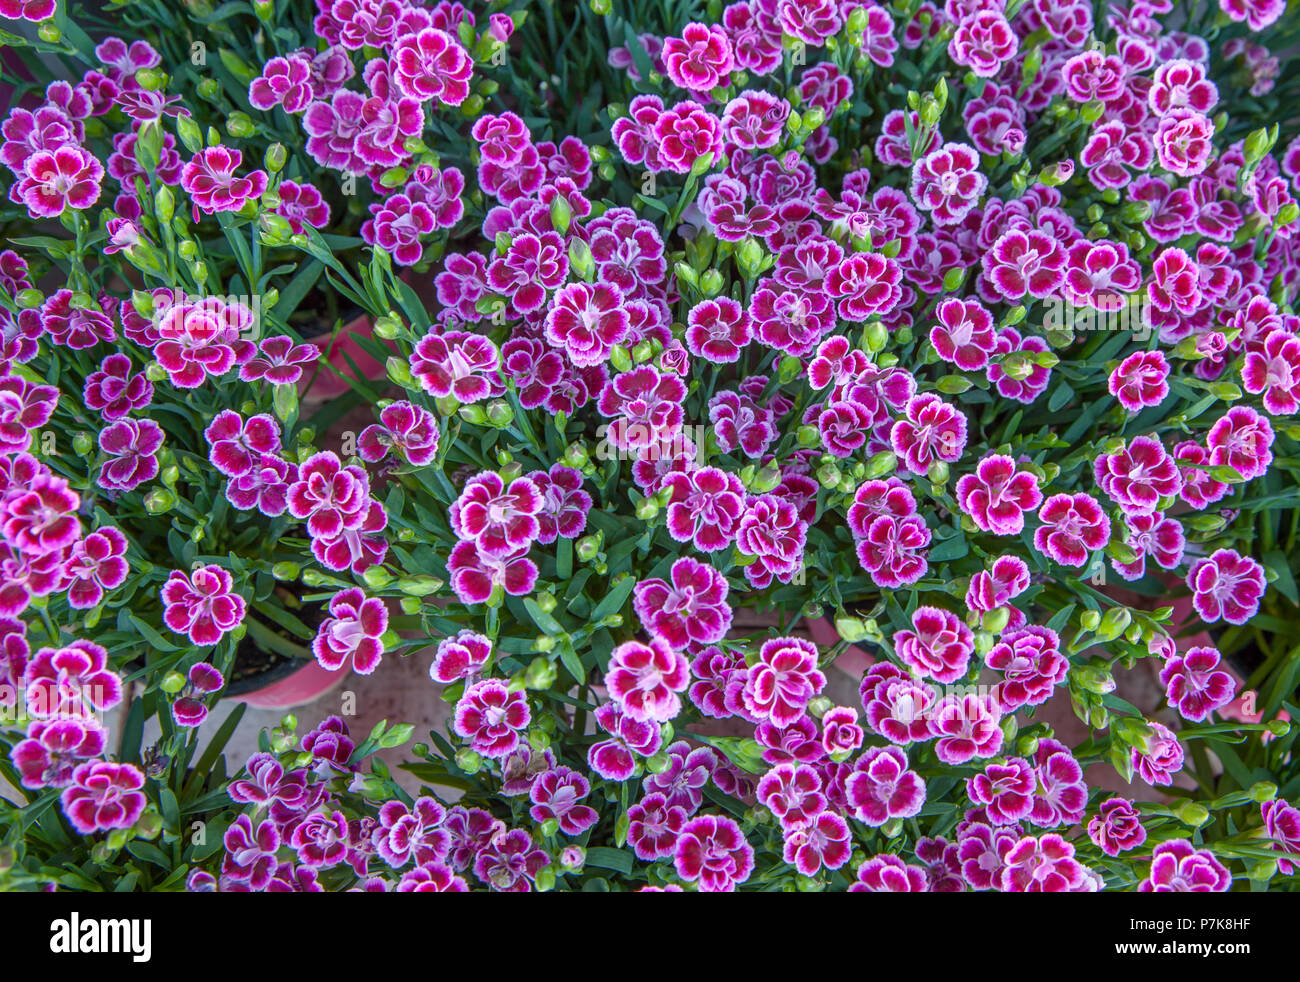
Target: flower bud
[(469, 761), (581, 260), (620, 358), (1089, 620), (540, 674), (1192, 813), (711, 283), (376, 577), (285, 571), (240, 125), (172, 683)]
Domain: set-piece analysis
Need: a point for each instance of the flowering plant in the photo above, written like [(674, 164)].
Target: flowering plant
[(946, 358)]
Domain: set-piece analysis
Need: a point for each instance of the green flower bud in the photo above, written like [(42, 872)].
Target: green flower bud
[(468, 761), (240, 125), (540, 674), (881, 464), (286, 571), (172, 683), (581, 260), (1089, 620), (711, 283), (620, 358)]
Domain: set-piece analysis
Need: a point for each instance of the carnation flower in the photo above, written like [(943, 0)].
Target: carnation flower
[(202, 604)]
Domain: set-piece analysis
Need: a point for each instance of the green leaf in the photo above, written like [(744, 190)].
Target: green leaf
[(602, 857), (612, 602)]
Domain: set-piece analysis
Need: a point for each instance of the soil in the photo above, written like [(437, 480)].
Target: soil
[(255, 667)]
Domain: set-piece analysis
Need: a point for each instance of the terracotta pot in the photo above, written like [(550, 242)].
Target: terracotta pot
[(326, 384), (853, 661), (300, 686)]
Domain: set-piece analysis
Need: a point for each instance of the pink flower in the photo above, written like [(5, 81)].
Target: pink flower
[(705, 508), (933, 431), (1005, 790), (881, 787), (1282, 824), (653, 827), (1117, 827), (1138, 476), (74, 682), (284, 82), (431, 64), (24, 408), (564, 504), (887, 873), (983, 42), (111, 390), (1100, 274), (1241, 439), (398, 224), (685, 133), (1181, 84), (42, 517), (645, 679), (238, 444), (1175, 282), (793, 793), (783, 680), (1045, 864), (461, 657), (130, 445), (717, 330), (824, 842), (500, 520), (699, 60), (210, 180), (51, 752), (405, 427), (1162, 758), (557, 794), (1274, 370), (95, 565), (104, 795), (202, 605), (53, 182), (947, 183), (1179, 867), (1094, 75), (196, 340), (692, 608), (997, 495), (265, 487), (964, 334), (535, 265), (1258, 14), (1112, 151), (841, 734), (711, 849), (615, 759), (1025, 263), (586, 321), (475, 575), (754, 119), (811, 21), (1031, 664), (1141, 380), (353, 632), (865, 283), (328, 495), (965, 727), (892, 550), (1184, 141), (646, 408), (897, 704), (771, 530), (1073, 526), (1227, 585), (491, 717), (458, 364), (1199, 488), (939, 647)]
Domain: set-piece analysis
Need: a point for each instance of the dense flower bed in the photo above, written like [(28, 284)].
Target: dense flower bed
[(944, 322)]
